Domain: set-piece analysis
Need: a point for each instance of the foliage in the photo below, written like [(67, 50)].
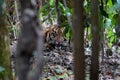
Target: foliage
[(109, 11), (48, 14), (108, 22)]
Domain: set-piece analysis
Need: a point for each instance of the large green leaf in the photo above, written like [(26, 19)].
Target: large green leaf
[(115, 19), (51, 2), (118, 1), (108, 23), (117, 6), (109, 7), (43, 7), (1, 69)]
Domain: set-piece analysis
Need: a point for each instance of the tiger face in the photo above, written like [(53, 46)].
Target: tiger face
[(53, 36)]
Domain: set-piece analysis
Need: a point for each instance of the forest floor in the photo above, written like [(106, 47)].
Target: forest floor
[(60, 61)]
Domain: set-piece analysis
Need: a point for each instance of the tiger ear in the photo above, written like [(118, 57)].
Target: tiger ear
[(52, 28)]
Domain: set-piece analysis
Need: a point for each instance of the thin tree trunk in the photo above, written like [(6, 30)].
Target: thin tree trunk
[(102, 35), (17, 19), (78, 40), (57, 12), (4, 47), (94, 72)]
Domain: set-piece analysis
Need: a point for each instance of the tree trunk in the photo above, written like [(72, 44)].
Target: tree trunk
[(58, 15), (30, 44), (4, 48), (78, 40), (94, 72)]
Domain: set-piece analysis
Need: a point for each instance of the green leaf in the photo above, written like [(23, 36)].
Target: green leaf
[(52, 78), (118, 1), (62, 6), (69, 34), (108, 22), (112, 39), (57, 70), (117, 6), (43, 8), (65, 31), (110, 33), (70, 72), (63, 76), (110, 44), (109, 6), (1, 69), (51, 2), (115, 19)]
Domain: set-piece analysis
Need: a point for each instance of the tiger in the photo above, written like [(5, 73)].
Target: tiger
[(53, 36)]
